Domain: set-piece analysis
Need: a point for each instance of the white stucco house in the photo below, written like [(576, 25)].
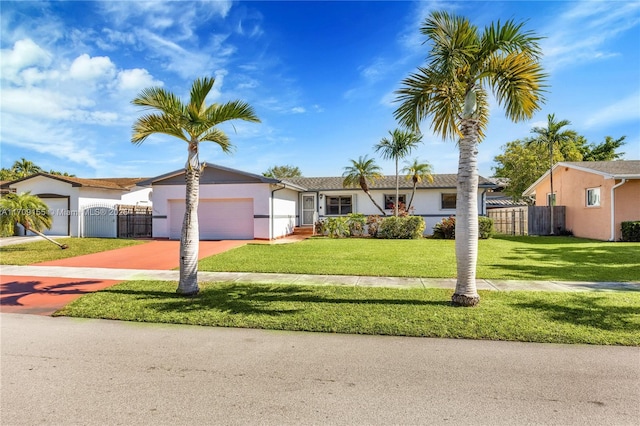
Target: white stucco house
[(240, 205), (68, 199)]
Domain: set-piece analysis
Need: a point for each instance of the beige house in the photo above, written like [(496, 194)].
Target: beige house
[(598, 196)]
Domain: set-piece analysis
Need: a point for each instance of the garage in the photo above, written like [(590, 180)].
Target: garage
[(218, 219), (59, 209)]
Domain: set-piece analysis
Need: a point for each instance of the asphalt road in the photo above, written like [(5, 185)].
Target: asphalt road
[(62, 371)]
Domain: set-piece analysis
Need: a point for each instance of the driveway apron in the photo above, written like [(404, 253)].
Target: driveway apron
[(44, 296)]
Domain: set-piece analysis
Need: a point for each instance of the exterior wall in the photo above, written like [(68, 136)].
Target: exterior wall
[(137, 196), (260, 194), (570, 186), (426, 203), (285, 202), (41, 185)]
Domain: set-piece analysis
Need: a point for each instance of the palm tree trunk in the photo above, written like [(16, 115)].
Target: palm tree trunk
[(413, 192), (190, 236), (374, 202), (551, 200), (395, 205), (466, 293), (40, 234)]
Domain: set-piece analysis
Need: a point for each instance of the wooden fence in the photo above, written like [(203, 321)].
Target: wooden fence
[(527, 220)]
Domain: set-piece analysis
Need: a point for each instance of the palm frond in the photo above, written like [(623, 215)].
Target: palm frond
[(161, 100), (233, 110), (219, 137), (149, 124)]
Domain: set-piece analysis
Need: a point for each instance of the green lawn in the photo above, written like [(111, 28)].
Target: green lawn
[(510, 258), (604, 318), (42, 251)]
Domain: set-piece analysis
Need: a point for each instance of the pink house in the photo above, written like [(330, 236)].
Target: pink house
[(598, 196)]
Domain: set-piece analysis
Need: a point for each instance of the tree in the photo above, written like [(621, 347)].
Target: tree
[(193, 123), (452, 90), (606, 151), (400, 145), (361, 173), (417, 172), (27, 210), (282, 172), (23, 168), (553, 137)]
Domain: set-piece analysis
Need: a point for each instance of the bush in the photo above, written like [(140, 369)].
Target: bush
[(337, 227), (405, 227), (631, 231), (446, 229), (485, 227), (356, 224), (373, 224)]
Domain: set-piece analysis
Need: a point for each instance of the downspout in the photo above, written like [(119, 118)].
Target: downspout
[(483, 199), (271, 223), (613, 209)]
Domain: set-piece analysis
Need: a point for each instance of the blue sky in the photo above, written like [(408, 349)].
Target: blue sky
[(320, 75)]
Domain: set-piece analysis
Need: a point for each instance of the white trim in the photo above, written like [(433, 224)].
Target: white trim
[(613, 209)]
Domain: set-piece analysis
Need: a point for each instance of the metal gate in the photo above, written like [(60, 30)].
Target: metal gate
[(134, 221), (99, 220)]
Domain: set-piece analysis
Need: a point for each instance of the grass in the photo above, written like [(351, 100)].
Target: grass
[(43, 251), (508, 258), (611, 318)]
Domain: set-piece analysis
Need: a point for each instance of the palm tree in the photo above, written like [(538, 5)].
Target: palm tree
[(452, 90), (193, 122), (400, 145), (27, 210), (553, 138), (417, 172), (363, 172), (23, 168)]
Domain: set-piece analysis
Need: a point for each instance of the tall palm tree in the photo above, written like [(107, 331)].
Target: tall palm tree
[(27, 210), (552, 137), (363, 172), (417, 172), (452, 90), (23, 168), (400, 145), (193, 123)]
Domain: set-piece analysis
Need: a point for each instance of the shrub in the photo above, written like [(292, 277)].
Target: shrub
[(373, 224), (446, 229), (401, 227), (337, 227), (485, 227), (356, 224), (631, 231)]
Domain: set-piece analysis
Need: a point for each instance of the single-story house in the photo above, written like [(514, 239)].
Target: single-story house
[(68, 199), (240, 205), (598, 195)]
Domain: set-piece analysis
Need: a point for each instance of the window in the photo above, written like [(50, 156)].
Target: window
[(389, 200), (448, 201), (593, 197), (549, 200), (339, 205)]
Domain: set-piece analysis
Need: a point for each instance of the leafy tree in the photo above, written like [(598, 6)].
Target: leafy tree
[(417, 172), (57, 173), (605, 151), (23, 168), (452, 90), (363, 172), (282, 172), (401, 143), (27, 210), (193, 122), (553, 137)]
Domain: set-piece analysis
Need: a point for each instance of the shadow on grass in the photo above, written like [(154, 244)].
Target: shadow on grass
[(597, 312), (253, 299)]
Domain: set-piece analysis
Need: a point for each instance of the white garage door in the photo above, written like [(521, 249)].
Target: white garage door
[(218, 219), (58, 208)]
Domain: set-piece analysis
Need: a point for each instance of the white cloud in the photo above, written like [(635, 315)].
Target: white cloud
[(87, 68), (136, 79), (26, 54), (298, 110)]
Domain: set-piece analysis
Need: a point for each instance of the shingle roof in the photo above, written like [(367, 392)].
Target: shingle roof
[(387, 182), (616, 168), (103, 183)]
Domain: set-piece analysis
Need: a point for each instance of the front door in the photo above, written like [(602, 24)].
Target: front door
[(308, 209)]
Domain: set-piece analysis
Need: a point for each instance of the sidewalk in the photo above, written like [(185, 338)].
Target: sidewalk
[(112, 274)]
